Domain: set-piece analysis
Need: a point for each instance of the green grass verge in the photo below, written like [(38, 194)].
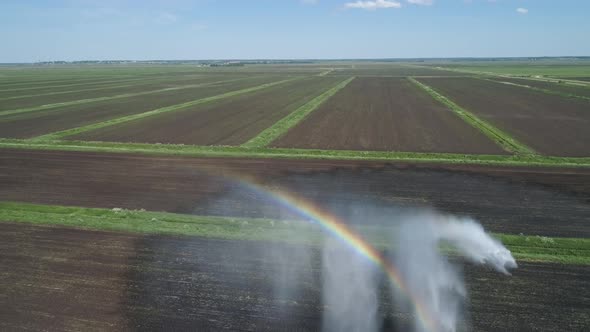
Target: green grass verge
[(167, 109), (97, 99), (241, 152), (506, 141), (281, 127), (528, 248)]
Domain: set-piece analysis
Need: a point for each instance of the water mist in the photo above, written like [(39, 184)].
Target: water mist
[(430, 276)]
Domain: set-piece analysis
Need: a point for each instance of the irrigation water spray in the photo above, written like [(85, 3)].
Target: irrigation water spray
[(424, 280), (429, 274)]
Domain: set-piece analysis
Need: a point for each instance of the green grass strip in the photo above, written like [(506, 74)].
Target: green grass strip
[(527, 248), (92, 100), (503, 139), (241, 152), (167, 109), (547, 91), (281, 127)]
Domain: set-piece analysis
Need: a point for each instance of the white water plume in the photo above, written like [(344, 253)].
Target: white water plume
[(430, 276), (349, 290)]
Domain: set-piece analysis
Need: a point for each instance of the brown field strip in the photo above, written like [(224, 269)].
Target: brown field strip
[(534, 201), (230, 121), (386, 114), (31, 124), (67, 279), (551, 125)]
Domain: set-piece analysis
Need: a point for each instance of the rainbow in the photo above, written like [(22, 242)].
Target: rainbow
[(337, 228)]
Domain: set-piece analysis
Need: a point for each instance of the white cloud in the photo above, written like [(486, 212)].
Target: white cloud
[(523, 11), (372, 5), (166, 18), (421, 2)]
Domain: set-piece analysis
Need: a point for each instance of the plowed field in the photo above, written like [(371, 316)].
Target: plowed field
[(230, 121), (66, 279), (550, 124), (535, 201), (386, 114)]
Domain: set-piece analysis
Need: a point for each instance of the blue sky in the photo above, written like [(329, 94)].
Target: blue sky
[(44, 30)]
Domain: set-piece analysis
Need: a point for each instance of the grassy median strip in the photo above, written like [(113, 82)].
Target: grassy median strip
[(167, 109), (506, 141), (282, 126), (97, 99), (283, 153), (529, 248)]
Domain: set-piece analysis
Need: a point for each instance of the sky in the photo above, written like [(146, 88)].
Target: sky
[(44, 30)]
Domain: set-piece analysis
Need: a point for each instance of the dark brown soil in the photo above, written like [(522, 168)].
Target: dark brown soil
[(56, 279), (30, 124), (535, 201), (232, 121), (550, 124), (386, 114)]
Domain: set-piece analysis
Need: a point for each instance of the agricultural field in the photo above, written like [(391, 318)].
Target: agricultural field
[(395, 70), (25, 98), (386, 114), (549, 124), (150, 197), (124, 281), (549, 68), (230, 121), (567, 90), (539, 198), (31, 122)]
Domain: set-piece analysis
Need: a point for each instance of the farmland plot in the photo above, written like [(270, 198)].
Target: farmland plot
[(31, 98), (70, 279), (231, 121), (549, 124), (536, 201), (30, 124), (386, 114), (566, 89)]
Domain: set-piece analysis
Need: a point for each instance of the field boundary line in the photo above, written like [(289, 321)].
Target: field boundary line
[(282, 126), (524, 247), (167, 109), (534, 88), (97, 99), (197, 151), (502, 138)]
